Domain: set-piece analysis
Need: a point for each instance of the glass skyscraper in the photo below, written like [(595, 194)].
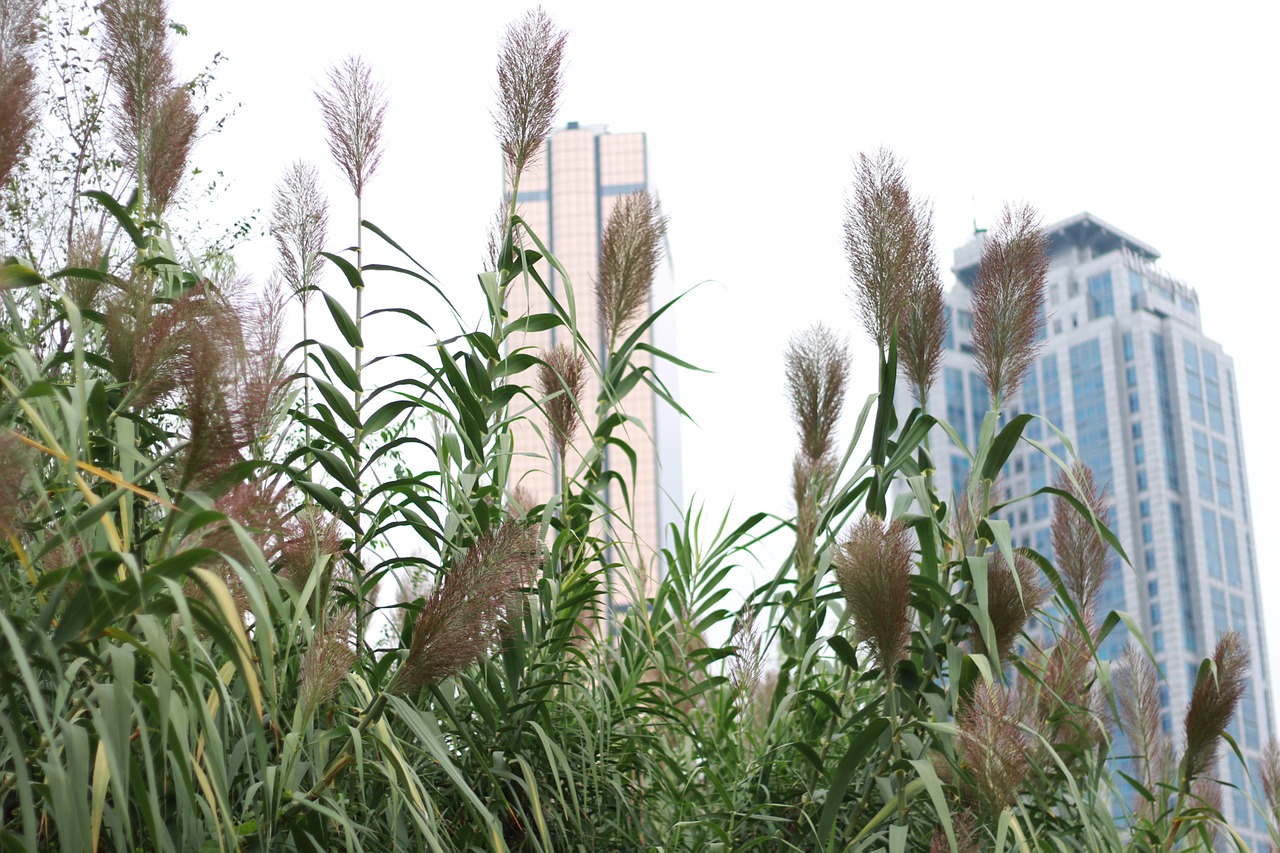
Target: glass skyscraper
[(1149, 402), (566, 197)]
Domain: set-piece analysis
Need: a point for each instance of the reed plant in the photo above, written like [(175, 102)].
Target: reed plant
[(252, 604)]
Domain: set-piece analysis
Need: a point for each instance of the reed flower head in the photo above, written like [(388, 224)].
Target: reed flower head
[(966, 834), (873, 566), (326, 664), (1008, 300), (467, 613), (1214, 701), (1080, 550), (1010, 601), (310, 536), (993, 750), (922, 321), (817, 371), (529, 85), (1137, 690), (747, 664), (354, 106), (887, 239), (18, 97), (1270, 776), (631, 248), (299, 225), (15, 458), (1070, 701), (155, 123), (562, 376)]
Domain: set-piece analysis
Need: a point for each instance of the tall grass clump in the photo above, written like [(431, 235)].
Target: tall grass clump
[(257, 595)]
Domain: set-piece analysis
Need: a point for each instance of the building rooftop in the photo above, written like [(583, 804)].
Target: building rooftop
[(1082, 231)]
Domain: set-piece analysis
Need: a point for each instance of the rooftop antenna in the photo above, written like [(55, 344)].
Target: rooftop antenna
[(973, 201)]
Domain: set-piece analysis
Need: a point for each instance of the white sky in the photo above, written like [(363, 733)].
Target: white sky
[(1154, 116)]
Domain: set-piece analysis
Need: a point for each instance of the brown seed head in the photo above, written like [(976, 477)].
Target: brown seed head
[(309, 536), (1010, 602), (631, 248), (1008, 300), (15, 460), (299, 224), (354, 106), (1213, 702), (171, 134), (992, 749), (326, 664), (1137, 690), (817, 371), (1070, 701), (811, 483), (1078, 547), (529, 86), (18, 95), (1270, 776), (154, 123), (922, 322), (887, 239), (562, 376), (467, 613), (747, 663), (873, 566)]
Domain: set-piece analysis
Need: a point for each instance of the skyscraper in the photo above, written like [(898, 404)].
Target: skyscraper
[(566, 198), (1149, 403)]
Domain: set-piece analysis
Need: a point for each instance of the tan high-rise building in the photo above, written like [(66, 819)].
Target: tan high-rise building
[(566, 197)]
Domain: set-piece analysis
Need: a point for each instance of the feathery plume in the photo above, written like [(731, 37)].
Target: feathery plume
[(631, 248), (747, 664), (1270, 776), (520, 502), (1137, 690), (562, 376), (86, 253), (353, 107), (811, 482), (817, 371), (966, 835), (1078, 547), (887, 237), (922, 322), (299, 225), (1070, 702), (1010, 601), (17, 82), (155, 124), (529, 85), (467, 613), (14, 460), (171, 134), (992, 749), (1008, 300), (326, 664), (309, 536), (1213, 702), (873, 566)]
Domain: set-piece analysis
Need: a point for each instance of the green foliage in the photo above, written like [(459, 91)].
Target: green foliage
[(202, 650)]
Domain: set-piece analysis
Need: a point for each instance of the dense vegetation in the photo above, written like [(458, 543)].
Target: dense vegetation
[(252, 599)]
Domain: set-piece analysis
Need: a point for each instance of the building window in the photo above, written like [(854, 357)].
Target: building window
[(1212, 391), (954, 380), (966, 321), (1219, 599), (1101, 301), (1142, 480), (979, 402), (1222, 472), (1212, 550), (1204, 472), (1127, 341), (1089, 393), (1155, 613), (1149, 556), (1144, 509), (1131, 377), (1166, 413), (1231, 553), (1139, 455), (1146, 533), (1133, 402), (1157, 641), (1195, 394), (1136, 429)]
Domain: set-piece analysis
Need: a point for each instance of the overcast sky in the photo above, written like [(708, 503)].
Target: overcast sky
[(1159, 121)]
